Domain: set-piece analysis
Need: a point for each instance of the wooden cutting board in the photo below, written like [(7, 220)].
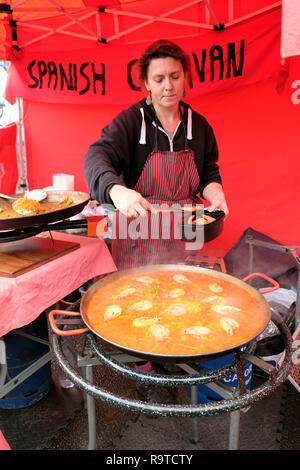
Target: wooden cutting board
[(24, 255)]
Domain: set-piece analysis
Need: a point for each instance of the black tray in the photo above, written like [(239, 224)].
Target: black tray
[(206, 232)]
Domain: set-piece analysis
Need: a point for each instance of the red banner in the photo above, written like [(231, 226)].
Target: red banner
[(220, 60)]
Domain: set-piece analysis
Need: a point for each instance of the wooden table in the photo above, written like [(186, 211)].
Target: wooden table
[(24, 297)]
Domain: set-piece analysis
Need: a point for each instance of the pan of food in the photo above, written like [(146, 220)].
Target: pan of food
[(171, 313), (22, 212), (204, 225)]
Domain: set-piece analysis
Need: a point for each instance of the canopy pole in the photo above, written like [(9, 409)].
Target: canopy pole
[(60, 30), (274, 6), (22, 184), (211, 14), (231, 10), (71, 17)]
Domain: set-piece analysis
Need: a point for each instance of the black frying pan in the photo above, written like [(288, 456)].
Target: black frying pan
[(265, 311), (80, 200)]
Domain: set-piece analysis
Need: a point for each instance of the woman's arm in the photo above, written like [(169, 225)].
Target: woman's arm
[(107, 161), (214, 193), (129, 202)]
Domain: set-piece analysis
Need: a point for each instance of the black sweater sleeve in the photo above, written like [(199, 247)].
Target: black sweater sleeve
[(107, 160), (211, 173)]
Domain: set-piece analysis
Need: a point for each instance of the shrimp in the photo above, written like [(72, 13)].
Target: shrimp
[(214, 287), (176, 310), (180, 278), (113, 311), (229, 324), (223, 309), (175, 293), (142, 305), (145, 279), (196, 330), (160, 332), (145, 321), (126, 292)]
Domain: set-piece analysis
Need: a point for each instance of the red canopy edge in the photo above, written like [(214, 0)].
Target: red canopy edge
[(31, 24), (256, 125), (224, 60)]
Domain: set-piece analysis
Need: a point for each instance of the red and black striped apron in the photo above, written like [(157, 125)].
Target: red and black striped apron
[(168, 178)]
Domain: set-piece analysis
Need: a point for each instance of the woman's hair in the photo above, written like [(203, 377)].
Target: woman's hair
[(160, 49)]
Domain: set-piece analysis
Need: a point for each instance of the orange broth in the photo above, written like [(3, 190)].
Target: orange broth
[(198, 299)]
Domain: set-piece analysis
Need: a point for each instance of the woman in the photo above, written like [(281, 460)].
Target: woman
[(159, 151)]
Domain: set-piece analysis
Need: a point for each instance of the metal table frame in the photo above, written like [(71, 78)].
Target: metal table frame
[(291, 250), (7, 387)]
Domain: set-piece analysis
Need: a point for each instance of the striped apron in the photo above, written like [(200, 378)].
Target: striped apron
[(169, 179)]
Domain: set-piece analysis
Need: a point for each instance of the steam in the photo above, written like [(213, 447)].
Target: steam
[(166, 226)]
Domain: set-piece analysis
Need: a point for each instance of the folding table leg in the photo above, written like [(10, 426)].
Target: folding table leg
[(234, 430), (3, 362), (90, 405)]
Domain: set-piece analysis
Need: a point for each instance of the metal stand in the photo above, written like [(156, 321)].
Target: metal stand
[(227, 392), (90, 405), (234, 399)]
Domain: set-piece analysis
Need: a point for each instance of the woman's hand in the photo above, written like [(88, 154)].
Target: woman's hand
[(214, 193), (129, 202)]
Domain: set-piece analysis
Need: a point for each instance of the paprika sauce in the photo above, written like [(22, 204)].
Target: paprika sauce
[(175, 313)]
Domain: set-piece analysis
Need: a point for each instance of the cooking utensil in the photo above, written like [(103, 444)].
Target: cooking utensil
[(179, 210), (80, 199), (184, 209), (35, 194), (265, 311), (13, 198)]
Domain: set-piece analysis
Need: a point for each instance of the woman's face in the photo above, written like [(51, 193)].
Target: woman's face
[(166, 81)]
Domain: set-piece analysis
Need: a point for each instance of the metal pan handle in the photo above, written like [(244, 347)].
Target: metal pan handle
[(59, 332), (267, 278), (65, 302)]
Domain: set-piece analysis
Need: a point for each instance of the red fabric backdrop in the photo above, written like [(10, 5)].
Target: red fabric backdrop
[(225, 60), (256, 128), (256, 123)]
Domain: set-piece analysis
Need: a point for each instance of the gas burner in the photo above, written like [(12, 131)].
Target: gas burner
[(241, 397), (208, 262)]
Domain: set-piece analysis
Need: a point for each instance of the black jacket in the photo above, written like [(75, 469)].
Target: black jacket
[(119, 155)]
